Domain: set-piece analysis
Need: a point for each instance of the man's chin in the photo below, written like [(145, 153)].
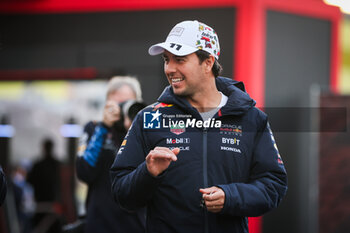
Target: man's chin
[(177, 91), (180, 93)]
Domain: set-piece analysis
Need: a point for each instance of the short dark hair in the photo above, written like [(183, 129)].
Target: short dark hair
[(47, 145), (203, 55)]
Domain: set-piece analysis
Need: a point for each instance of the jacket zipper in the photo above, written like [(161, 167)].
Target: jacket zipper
[(205, 174)]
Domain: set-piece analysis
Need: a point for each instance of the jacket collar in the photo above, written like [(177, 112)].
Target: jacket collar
[(237, 104)]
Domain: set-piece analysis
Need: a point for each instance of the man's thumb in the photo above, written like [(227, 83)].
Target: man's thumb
[(176, 150)]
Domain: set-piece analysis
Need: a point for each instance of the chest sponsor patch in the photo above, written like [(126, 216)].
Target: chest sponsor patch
[(228, 148), (182, 148), (179, 129), (178, 140), (230, 129), (230, 141)]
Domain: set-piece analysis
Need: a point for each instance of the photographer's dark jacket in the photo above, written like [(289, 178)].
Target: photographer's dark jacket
[(96, 154), (3, 186), (240, 156)]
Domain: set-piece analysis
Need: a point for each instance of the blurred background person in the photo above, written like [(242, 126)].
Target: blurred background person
[(96, 153), (3, 187), (46, 182), (24, 196)]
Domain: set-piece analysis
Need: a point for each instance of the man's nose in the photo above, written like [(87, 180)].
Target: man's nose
[(170, 67)]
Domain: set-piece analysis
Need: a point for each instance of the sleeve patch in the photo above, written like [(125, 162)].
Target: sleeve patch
[(279, 158)]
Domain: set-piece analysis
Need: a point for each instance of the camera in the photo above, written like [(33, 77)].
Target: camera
[(130, 109)]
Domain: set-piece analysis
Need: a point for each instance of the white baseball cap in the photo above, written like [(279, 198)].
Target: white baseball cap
[(187, 37)]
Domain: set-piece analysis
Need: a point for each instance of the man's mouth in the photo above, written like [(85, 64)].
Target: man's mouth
[(177, 80)]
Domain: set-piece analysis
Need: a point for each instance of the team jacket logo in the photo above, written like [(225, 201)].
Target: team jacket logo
[(177, 140), (231, 141), (233, 149), (279, 158), (161, 105), (177, 129), (228, 143), (231, 129)]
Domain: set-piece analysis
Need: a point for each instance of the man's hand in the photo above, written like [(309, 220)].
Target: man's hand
[(159, 159), (111, 113), (214, 198)]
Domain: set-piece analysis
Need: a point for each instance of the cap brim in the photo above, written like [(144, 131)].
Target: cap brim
[(174, 48)]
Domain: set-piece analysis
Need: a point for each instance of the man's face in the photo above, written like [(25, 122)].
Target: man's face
[(184, 73)]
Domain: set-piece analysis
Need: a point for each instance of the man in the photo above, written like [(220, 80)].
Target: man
[(96, 154), (44, 176), (203, 158), (3, 186), (46, 181)]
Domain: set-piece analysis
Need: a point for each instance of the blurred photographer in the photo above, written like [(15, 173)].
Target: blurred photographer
[(96, 153)]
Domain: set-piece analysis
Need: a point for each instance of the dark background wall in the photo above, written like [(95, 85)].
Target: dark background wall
[(334, 163), (113, 43), (297, 57)]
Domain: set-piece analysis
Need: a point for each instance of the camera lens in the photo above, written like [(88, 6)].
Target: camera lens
[(130, 108)]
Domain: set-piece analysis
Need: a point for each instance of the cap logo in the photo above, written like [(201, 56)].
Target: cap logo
[(177, 31), (178, 46)]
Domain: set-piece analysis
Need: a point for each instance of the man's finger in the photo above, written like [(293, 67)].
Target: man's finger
[(213, 196), (208, 190), (166, 150), (161, 154)]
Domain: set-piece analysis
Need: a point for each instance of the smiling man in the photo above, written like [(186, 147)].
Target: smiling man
[(202, 158)]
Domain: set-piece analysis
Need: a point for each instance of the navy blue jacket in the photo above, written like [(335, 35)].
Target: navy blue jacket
[(96, 154), (3, 187), (239, 155)]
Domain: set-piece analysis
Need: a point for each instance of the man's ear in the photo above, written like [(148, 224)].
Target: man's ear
[(209, 62)]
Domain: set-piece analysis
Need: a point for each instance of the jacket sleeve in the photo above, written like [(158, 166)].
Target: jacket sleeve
[(267, 183), (132, 185), (90, 146), (3, 186)]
